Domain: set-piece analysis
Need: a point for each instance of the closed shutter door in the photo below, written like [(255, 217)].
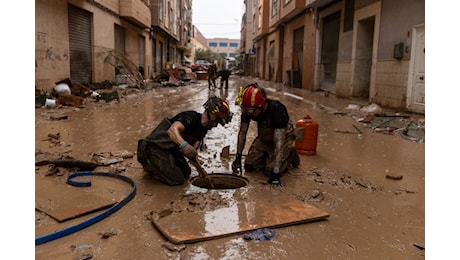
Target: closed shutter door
[(141, 49), (80, 45)]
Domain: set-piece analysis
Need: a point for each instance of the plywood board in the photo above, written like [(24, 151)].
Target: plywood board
[(189, 227), (64, 202)]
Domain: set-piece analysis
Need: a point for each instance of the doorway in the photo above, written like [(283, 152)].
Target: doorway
[(363, 57), (119, 46), (81, 61), (329, 52), (416, 89), (295, 74)]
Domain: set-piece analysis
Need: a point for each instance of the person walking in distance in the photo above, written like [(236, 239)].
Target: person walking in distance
[(224, 74), (212, 75)]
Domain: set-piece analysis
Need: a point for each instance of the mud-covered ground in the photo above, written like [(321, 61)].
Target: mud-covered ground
[(372, 184)]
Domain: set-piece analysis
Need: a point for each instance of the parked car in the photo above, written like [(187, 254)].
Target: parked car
[(200, 65)]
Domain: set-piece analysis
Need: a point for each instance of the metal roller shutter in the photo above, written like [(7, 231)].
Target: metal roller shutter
[(80, 45)]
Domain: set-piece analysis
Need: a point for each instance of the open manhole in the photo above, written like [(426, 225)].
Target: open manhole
[(220, 181)]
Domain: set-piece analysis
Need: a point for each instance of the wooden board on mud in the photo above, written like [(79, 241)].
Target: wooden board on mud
[(190, 227), (64, 202)]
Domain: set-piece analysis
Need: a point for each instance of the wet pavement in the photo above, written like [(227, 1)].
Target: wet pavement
[(372, 184)]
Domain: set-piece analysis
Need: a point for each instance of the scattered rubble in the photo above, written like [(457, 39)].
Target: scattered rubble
[(339, 179)]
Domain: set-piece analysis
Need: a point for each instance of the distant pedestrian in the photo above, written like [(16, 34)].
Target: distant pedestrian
[(224, 74), (212, 75)]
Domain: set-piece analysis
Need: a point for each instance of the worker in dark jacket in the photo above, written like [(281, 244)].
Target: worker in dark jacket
[(224, 74), (273, 150), (162, 153)]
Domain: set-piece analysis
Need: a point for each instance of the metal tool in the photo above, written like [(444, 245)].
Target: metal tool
[(203, 174)]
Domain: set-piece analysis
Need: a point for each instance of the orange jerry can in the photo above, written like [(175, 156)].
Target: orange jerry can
[(306, 136)]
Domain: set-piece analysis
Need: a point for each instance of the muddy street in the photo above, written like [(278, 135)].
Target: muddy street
[(367, 177)]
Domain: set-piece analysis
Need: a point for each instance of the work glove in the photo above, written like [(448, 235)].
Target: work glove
[(189, 151), (275, 178), (236, 165)]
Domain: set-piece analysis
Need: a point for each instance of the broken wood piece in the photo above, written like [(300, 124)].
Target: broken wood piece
[(107, 161), (73, 163), (422, 247), (391, 115), (357, 129), (55, 136), (406, 191), (344, 131), (56, 118), (70, 100), (367, 119), (392, 177), (122, 153)]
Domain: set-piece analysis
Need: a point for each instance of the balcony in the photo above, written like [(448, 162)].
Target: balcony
[(135, 11), (291, 9), (318, 3)]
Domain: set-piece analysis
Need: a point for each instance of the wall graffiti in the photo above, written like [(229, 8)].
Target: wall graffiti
[(49, 54), (41, 37)]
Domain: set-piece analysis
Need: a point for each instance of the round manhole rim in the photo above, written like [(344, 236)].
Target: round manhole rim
[(238, 181)]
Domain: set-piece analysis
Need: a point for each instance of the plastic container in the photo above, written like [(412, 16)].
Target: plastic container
[(307, 136), (50, 103), (62, 88)]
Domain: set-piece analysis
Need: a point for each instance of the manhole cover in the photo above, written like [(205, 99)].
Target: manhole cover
[(220, 181)]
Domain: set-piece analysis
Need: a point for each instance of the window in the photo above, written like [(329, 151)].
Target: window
[(274, 7), (223, 44), (223, 54), (161, 10), (213, 44), (232, 55), (234, 44), (259, 24)]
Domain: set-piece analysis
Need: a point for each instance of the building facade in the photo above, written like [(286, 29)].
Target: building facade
[(247, 48), (199, 42), (97, 40), (225, 47), (369, 49)]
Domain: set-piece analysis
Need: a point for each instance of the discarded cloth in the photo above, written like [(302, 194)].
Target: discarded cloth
[(260, 234)]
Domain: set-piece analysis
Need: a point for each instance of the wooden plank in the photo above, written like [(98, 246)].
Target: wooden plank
[(64, 202), (190, 227)]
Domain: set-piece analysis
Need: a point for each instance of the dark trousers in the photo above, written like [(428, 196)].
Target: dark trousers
[(168, 166), (222, 80)]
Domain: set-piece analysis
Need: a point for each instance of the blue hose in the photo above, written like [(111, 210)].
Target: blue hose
[(95, 219)]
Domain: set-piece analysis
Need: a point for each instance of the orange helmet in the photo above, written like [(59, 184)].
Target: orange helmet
[(254, 97), (220, 108)]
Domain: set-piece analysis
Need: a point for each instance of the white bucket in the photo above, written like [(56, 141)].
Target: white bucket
[(50, 103)]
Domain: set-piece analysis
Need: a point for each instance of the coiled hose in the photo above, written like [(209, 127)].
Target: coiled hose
[(72, 229)]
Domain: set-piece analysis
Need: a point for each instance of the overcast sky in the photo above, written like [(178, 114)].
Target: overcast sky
[(218, 18)]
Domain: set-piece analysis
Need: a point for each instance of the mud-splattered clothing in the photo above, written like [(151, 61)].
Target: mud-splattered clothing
[(262, 155), (160, 156)]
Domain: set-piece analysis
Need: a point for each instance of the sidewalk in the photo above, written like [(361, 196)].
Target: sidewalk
[(320, 98)]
